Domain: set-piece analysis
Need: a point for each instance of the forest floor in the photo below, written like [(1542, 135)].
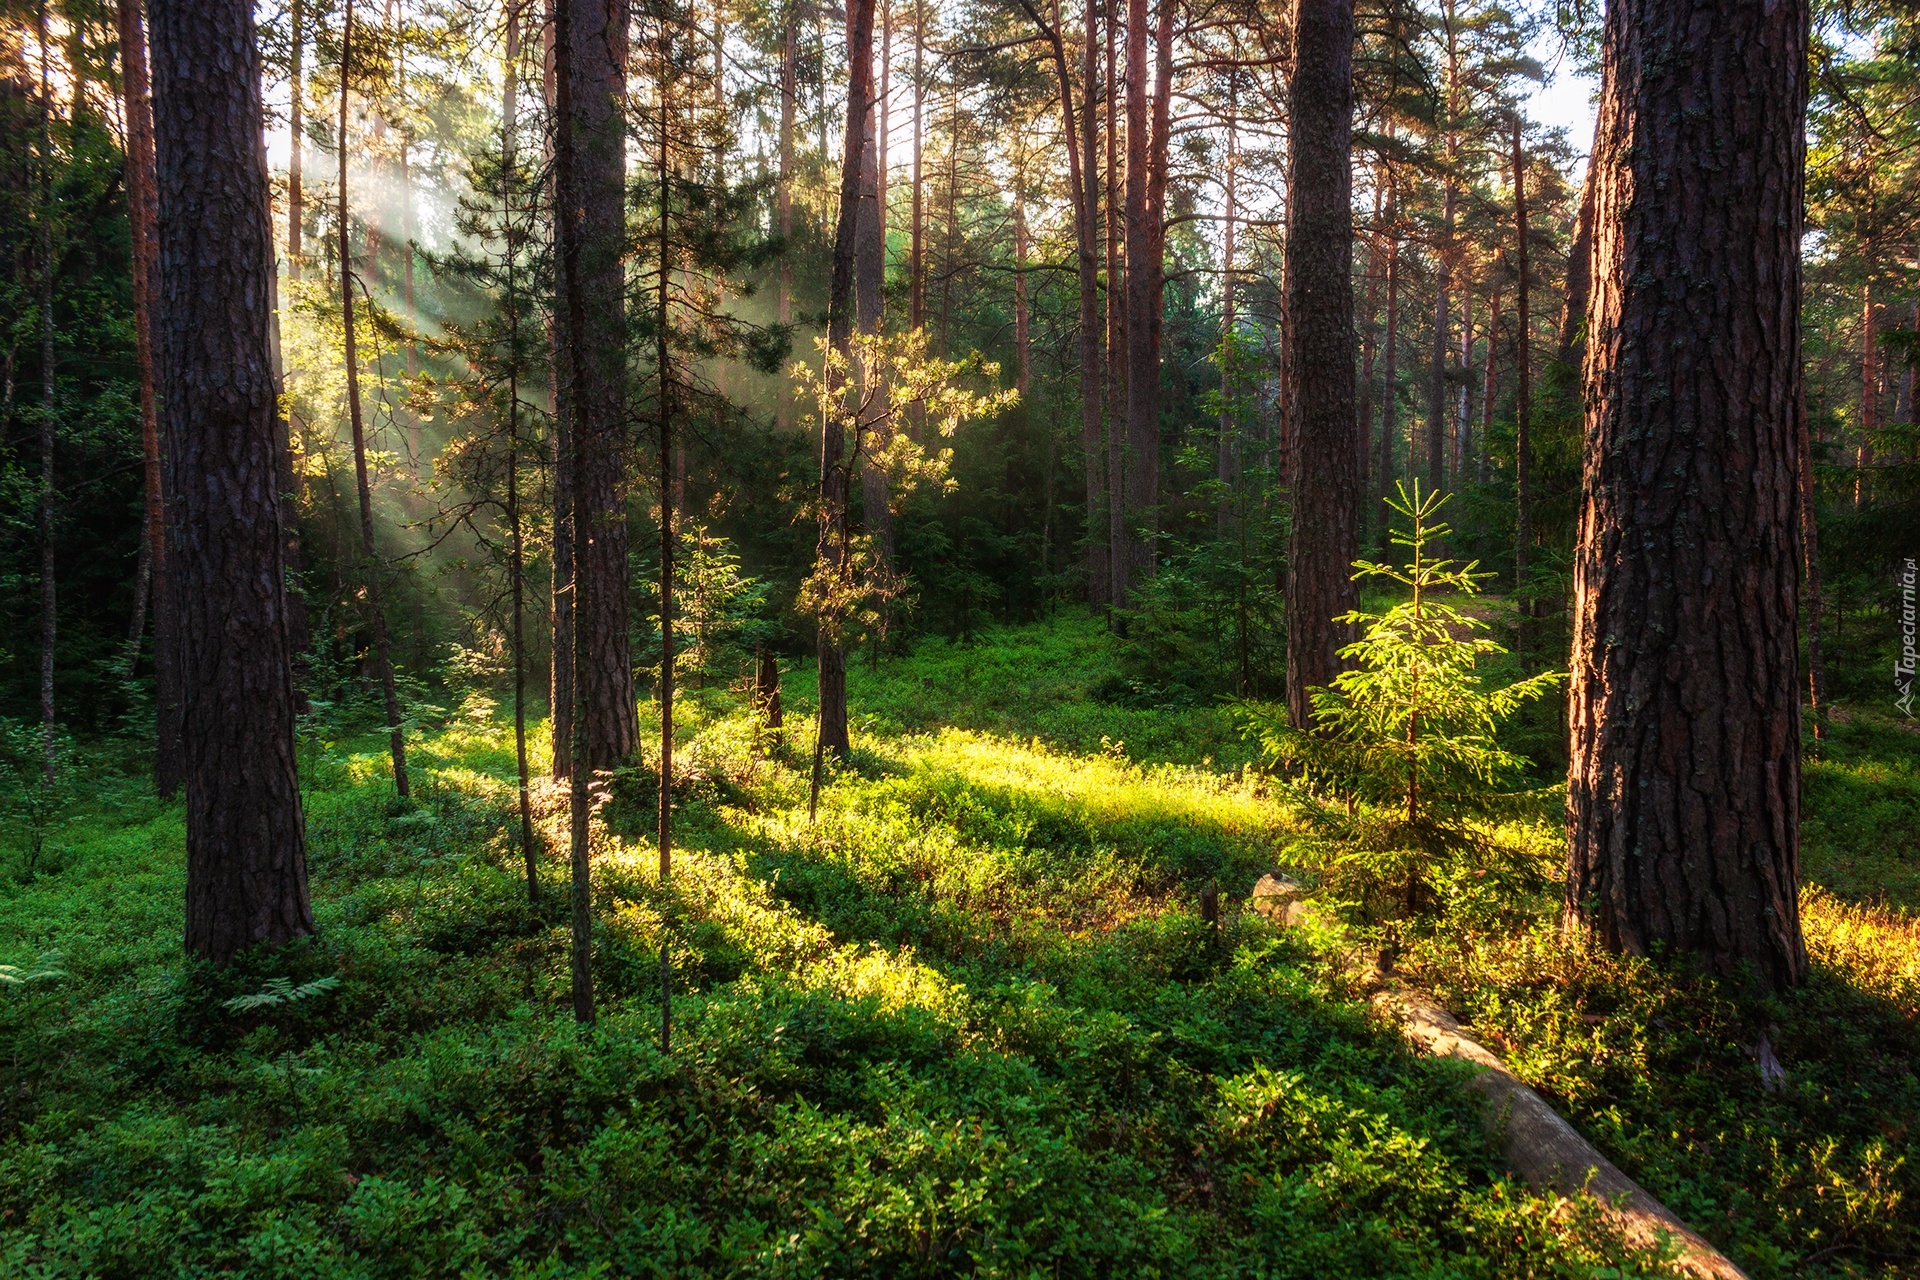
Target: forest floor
[(966, 1020)]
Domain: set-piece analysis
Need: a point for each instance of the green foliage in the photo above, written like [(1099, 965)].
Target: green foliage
[(45, 969), (279, 991), (968, 1022)]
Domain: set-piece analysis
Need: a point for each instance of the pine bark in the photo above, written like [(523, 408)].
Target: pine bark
[(142, 213), (598, 59), (246, 852), (1683, 795), (1325, 450)]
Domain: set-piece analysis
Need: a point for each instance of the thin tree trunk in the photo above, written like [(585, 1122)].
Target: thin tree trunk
[(1437, 374), (142, 212), (783, 200), (663, 365), (1869, 392), (916, 253), (570, 224), (1143, 382), (870, 271), (516, 537), (1523, 395), (246, 853), (1223, 445), (296, 138), (1815, 608), (382, 655), (1116, 353), (1489, 384), (835, 481), (1390, 369), (1324, 468), (49, 390), (1683, 796), (1571, 352), (1903, 401), (1463, 415)]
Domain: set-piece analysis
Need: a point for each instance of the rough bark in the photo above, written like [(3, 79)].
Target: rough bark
[(598, 59), (246, 852), (296, 135), (1325, 451), (142, 213), (1683, 795)]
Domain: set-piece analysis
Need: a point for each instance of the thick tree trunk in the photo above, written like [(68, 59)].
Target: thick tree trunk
[(1116, 387), (1324, 467), (598, 59), (246, 851), (1683, 796), (376, 603), (142, 213), (835, 480)]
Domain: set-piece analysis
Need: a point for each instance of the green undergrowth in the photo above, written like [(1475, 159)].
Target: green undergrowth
[(1809, 1174), (966, 1021)]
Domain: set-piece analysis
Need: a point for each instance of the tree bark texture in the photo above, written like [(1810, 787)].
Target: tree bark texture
[(246, 850), (1683, 795), (598, 57), (142, 214), (1324, 465)]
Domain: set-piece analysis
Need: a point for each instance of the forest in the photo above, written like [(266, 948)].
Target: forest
[(960, 637)]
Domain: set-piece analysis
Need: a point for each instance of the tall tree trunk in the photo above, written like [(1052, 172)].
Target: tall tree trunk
[(1116, 363), (142, 212), (783, 198), (1683, 796), (1437, 374), (376, 605), (1810, 560), (296, 136), (516, 536), (870, 273), (1869, 391), (560, 696), (1489, 383), (598, 60), (1143, 374), (573, 227), (835, 481), (917, 250), (1523, 393), (1389, 362), (1463, 409), (246, 850), (1325, 537), (49, 391), (1224, 444), (663, 366)]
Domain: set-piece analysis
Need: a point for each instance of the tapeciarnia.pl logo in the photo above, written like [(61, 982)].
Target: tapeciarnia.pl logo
[(1903, 666)]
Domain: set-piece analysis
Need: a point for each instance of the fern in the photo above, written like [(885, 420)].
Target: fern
[(45, 969), (280, 991)]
